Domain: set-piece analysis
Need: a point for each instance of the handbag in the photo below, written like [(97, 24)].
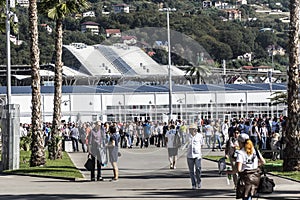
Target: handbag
[(266, 184), (103, 155), (89, 164)]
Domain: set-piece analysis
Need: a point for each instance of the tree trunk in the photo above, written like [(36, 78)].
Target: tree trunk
[(37, 146), (291, 159), (56, 134)]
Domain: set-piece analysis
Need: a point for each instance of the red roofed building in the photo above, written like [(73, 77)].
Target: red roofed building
[(113, 33), (129, 40), (89, 26)]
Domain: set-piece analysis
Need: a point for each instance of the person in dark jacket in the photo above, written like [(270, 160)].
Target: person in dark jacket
[(95, 140)]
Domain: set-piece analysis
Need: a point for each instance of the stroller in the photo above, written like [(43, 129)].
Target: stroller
[(222, 165)]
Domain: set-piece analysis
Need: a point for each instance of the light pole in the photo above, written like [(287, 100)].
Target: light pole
[(241, 101), (169, 60), (180, 107), (211, 109), (65, 102), (150, 102), (8, 57), (120, 111), (169, 68)]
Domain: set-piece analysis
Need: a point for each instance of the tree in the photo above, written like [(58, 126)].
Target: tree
[(2, 16), (200, 70), (291, 159), (278, 98), (58, 10), (37, 157)]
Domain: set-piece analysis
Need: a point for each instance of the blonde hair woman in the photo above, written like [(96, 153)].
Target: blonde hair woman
[(247, 163)]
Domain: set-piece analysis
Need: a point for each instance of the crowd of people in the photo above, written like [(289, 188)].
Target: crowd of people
[(242, 139)]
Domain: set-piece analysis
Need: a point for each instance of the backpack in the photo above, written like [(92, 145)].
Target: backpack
[(177, 141)]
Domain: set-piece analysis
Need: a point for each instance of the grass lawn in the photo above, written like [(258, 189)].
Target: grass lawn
[(274, 167), (53, 168)]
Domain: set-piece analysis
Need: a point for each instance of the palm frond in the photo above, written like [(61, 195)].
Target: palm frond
[(278, 98)]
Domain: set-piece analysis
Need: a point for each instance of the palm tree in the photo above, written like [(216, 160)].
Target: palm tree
[(2, 16), (291, 159), (37, 146), (200, 70), (57, 10), (278, 98)]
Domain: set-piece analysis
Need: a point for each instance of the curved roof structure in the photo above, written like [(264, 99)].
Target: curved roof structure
[(117, 60)]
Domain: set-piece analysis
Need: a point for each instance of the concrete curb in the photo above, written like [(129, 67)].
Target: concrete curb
[(40, 176)]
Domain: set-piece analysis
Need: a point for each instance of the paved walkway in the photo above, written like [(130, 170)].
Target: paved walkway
[(144, 174)]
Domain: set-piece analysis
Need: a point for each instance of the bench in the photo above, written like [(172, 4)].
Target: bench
[(279, 151)]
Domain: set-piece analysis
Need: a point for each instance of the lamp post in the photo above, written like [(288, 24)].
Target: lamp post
[(169, 68), (65, 102), (8, 56), (169, 60), (211, 109), (241, 101), (150, 102), (180, 107), (120, 111)]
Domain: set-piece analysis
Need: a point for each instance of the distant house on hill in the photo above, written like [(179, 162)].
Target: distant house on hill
[(121, 8), (220, 4), (113, 33), (207, 4), (241, 2), (246, 57), (275, 50), (161, 45), (89, 26), (89, 14), (234, 14), (47, 28), (266, 29), (23, 3), (129, 40)]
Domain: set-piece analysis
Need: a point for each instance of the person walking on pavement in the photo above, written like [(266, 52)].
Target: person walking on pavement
[(147, 133), (95, 139), (172, 150), (183, 131), (113, 150), (231, 149), (248, 159), (74, 137), (209, 132), (194, 155)]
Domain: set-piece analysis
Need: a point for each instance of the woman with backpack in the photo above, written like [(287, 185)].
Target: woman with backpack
[(247, 162)]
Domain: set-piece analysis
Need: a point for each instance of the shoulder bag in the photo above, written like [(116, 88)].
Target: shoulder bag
[(89, 163), (266, 184)]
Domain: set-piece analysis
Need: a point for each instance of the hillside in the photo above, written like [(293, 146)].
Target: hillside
[(224, 38)]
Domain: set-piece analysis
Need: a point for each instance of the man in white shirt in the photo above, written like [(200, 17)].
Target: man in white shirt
[(194, 155), (23, 130)]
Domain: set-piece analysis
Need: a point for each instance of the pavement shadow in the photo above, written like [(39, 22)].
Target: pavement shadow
[(48, 196)]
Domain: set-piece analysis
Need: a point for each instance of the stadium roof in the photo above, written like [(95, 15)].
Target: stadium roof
[(115, 60), (151, 88)]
